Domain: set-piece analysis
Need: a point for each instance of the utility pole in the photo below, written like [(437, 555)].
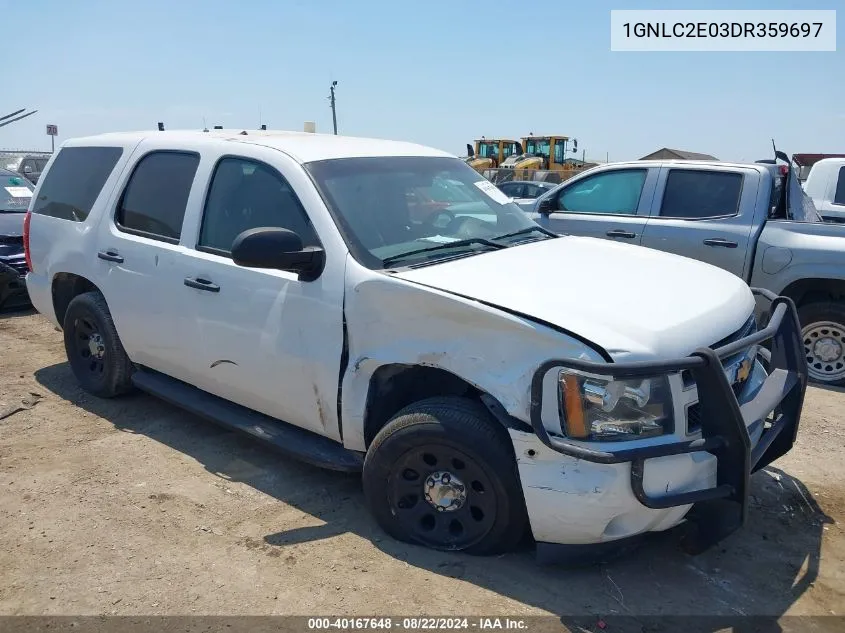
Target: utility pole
[(334, 111)]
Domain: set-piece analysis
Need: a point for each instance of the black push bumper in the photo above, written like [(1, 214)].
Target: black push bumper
[(725, 423)]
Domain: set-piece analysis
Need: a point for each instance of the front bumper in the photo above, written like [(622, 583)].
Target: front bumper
[(726, 426), (12, 284)]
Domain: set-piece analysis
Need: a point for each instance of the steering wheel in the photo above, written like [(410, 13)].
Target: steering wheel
[(434, 221)]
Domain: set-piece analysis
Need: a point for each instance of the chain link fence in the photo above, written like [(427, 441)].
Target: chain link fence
[(500, 175)]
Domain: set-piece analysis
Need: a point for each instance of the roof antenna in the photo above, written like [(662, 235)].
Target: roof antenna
[(204, 126)]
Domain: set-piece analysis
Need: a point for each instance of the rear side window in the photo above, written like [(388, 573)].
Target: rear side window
[(698, 194), (74, 181), (153, 203), (839, 196)]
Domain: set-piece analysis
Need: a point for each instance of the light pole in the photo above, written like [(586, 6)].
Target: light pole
[(334, 111)]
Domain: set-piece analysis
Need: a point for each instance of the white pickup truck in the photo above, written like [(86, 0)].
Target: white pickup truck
[(825, 185), (484, 373)]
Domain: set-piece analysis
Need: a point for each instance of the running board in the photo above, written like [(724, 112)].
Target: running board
[(293, 441)]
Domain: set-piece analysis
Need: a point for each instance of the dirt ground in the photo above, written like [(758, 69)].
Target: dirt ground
[(132, 507)]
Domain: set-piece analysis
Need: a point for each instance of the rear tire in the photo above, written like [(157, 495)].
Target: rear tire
[(93, 348), (442, 474), (823, 333)]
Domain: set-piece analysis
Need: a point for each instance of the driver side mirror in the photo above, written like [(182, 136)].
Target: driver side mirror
[(546, 205), (278, 249)]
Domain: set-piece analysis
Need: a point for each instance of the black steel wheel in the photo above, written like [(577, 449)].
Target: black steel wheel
[(93, 348), (442, 474)]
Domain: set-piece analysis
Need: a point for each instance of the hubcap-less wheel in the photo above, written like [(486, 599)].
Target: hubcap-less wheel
[(90, 345), (442, 497), (824, 347)]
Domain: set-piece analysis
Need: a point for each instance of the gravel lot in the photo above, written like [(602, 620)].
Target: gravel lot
[(133, 507)]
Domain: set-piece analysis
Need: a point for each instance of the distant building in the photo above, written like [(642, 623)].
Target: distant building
[(677, 154), (578, 164)]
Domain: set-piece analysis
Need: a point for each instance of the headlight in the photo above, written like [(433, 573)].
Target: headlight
[(600, 408)]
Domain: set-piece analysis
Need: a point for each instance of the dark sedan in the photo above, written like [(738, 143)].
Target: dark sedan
[(15, 195)]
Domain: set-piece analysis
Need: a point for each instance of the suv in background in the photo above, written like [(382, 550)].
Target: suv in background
[(279, 284), (32, 165), (15, 196)]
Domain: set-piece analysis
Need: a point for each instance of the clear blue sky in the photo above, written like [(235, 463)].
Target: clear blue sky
[(435, 72)]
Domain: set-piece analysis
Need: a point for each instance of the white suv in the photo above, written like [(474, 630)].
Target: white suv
[(486, 374)]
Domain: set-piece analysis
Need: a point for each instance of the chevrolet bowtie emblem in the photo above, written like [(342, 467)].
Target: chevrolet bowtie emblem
[(744, 370)]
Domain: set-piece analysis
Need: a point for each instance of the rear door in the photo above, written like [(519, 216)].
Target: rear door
[(610, 204), (140, 258), (706, 213)]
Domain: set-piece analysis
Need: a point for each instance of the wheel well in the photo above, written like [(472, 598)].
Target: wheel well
[(393, 387), (806, 291), (66, 286)]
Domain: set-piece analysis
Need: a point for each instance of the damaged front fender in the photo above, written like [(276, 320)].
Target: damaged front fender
[(395, 321)]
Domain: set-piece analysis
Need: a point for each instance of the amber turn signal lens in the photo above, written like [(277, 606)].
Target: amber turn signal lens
[(576, 426)]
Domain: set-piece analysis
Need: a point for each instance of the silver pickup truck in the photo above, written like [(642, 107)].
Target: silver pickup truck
[(752, 219)]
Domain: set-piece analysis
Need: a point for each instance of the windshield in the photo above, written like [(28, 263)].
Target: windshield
[(406, 211), (538, 147), (15, 194), (488, 150)]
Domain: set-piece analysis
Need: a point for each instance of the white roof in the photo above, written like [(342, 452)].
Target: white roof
[(302, 146)]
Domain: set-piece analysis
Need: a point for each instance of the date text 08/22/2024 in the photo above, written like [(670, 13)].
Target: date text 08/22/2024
[(415, 623)]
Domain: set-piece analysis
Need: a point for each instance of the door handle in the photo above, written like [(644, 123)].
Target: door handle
[(110, 256), (621, 233), (201, 284), (718, 241)]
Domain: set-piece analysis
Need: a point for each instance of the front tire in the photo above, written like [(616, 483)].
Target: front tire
[(442, 474), (93, 348), (823, 333)]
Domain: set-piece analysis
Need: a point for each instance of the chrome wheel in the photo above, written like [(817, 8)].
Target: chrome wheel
[(824, 347)]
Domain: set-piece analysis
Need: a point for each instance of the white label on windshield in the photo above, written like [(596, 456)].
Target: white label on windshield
[(493, 191), (19, 192), (440, 239)]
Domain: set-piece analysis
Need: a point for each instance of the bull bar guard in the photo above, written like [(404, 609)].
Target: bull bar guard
[(725, 424)]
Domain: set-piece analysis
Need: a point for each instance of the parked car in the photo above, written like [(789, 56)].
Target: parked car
[(15, 195), (524, 192), (826, 186), (32, 165), (753, 220), (484, 373)]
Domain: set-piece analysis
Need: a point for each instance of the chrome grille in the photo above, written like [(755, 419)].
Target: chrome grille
[(694, 409), (18, 264)]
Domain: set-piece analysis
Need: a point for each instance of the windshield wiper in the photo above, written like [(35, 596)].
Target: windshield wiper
[(457, 244), (539, 229)]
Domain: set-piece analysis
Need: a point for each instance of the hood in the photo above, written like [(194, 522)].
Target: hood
[(634, 302)]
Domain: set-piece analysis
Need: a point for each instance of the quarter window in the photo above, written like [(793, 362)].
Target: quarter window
[(74, 182), (153, 203), (698, 194), (246, 194), (839, 196), (614, 192)]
